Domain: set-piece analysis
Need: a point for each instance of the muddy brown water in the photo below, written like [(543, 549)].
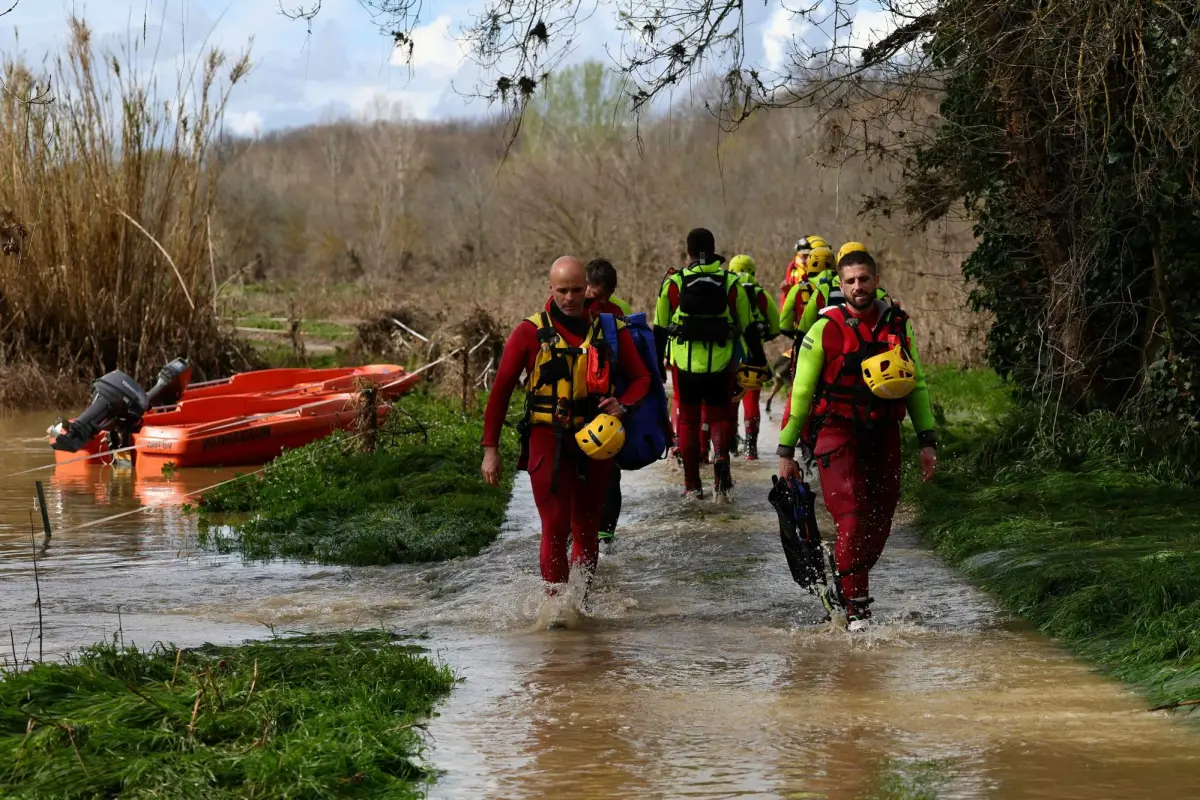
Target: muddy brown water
[(699, 672)]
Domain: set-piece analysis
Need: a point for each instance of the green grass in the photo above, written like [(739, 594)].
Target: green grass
[(418, 498), (1088, 526), (320, 329), (304, 717), (281, 354)]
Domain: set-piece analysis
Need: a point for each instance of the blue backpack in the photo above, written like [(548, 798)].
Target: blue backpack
[(648, 424)]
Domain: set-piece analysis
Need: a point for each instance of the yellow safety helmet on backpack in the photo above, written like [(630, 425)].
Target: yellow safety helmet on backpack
[(890, 375), (750, 378), (742, 265), (820, 259), (602, 438)]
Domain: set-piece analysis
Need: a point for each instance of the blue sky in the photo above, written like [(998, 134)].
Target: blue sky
[(345, 67)]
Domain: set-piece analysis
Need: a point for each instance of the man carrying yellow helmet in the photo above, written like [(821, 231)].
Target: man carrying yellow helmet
[(572, 426), (856, 376)]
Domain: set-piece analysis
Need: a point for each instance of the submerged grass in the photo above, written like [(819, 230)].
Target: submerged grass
[(301, 717), (418, 498), (905, 779), (1086, 525)]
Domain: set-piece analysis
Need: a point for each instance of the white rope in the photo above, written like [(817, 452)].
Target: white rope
[(74, 460)]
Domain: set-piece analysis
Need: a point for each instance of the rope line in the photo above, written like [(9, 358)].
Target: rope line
[(238, 477)]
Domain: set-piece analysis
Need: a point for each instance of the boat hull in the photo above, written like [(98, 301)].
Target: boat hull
[(238, 399), (248, 440)]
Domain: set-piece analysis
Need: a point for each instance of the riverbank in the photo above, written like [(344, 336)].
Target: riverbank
[(1090, 532), (418, 497), (306, 716)]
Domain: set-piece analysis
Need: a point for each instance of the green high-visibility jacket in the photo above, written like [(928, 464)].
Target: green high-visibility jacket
[(702, 356)]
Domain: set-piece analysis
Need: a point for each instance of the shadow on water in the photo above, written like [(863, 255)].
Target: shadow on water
[(699, 671)]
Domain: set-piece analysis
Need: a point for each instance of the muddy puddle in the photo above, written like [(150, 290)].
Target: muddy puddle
[(698, 673)]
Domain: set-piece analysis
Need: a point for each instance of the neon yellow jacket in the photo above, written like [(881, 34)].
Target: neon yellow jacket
[(770, 320)]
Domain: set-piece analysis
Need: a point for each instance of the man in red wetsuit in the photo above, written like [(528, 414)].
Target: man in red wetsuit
[(551, 348), (702, 312)]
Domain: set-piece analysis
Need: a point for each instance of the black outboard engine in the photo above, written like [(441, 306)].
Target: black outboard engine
[(173, 380), (118, 404)]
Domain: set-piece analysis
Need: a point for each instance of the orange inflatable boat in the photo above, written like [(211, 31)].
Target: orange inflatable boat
[(120, 408), (250, 439)]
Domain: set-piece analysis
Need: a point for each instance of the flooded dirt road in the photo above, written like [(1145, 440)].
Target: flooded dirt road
[(699, 672)]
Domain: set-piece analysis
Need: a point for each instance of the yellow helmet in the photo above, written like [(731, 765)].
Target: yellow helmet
[(602, 438), (890, 375), (820, 259), (743, 265), (750, 378), (850, 247)]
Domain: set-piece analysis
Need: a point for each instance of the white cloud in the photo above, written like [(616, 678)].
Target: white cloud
[(779, 40), (434, 50), (243, 123), (870, 27)]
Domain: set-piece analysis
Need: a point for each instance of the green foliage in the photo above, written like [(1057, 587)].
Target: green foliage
[(322, 329), (301, 717), (1086, 525), (1082, 188), (419, 497), (580, 102)]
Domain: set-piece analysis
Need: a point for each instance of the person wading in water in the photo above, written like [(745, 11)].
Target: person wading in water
[(857, 373), (701, 314), (601, 284), (568, 400)]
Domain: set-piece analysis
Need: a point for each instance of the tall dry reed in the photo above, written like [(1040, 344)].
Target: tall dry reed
[(107, 187)]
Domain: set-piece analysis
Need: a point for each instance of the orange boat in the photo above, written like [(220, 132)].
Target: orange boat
[(250, 439), (286, 380), (248, 394)]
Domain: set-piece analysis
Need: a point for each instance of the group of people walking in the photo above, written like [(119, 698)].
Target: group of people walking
[(853, 367)]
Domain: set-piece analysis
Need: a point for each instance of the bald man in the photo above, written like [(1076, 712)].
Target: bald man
[(568, 487)]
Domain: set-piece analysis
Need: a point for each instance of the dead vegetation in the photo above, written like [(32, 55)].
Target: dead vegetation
[(132, 237), (468, 224), (106, 204)]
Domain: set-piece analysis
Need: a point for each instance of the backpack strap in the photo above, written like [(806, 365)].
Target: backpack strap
[(546, 332), (608, 326)]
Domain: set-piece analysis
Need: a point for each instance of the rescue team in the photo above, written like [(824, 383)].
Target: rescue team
[(594, 373)]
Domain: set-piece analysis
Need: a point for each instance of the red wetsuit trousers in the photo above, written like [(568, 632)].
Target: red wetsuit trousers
[(572, 509), (705, 439), (860, 480), (701, 397), (750, 411)]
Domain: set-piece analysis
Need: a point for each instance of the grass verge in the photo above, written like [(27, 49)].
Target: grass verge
[(418, 497), (302, 717), (1086, 525)]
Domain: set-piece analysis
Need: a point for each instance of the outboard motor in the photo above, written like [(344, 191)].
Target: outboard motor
[(118, 404), (173, 380)]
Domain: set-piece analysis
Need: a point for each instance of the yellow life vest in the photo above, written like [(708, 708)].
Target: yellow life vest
[(556, 389), (803, 294)]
